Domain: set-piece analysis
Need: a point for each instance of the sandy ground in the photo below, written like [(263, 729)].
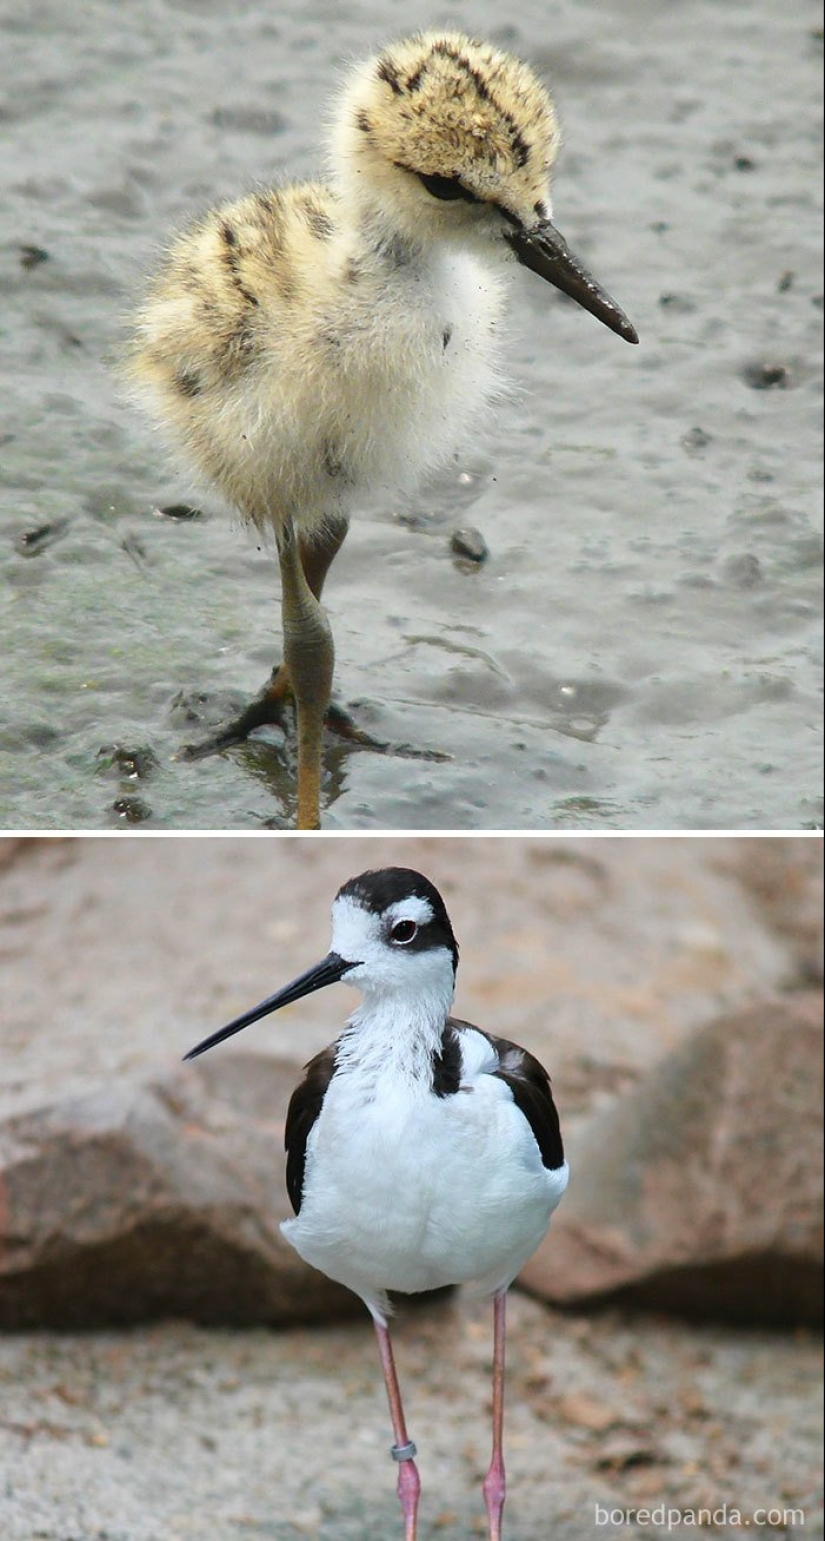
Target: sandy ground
[(118, 955), (173, 1434), (641, 649)]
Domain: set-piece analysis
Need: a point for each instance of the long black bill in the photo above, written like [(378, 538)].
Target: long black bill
[(545, 251), (328, 972)]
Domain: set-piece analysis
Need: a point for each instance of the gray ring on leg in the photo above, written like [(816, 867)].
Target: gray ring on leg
[(403, 1452)]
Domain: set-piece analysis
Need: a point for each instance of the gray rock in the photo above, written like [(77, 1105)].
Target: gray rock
[(159, 1198), (783, 876), (469, 545), (701, 1192)]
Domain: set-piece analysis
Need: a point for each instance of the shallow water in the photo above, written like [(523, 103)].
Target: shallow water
[(641, 648)]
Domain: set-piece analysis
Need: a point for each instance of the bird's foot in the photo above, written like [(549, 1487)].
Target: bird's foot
[(266, 710), (340, 722), (274, 706)]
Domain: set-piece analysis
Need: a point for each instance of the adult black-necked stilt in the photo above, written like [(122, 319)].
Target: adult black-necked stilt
[(421, 1151), (312, 342)]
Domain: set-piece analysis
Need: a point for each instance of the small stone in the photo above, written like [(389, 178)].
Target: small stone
[(469, 544), (586, 1412), (32, 542), (32, 256), (179, 511), (132, 810), (134, 764), (621, 1452), (767, 377), (695, 439)]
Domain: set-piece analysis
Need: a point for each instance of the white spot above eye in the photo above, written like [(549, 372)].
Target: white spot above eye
[(413, 908)]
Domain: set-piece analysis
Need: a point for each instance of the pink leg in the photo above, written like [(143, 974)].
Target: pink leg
[(403, 1451), (495, 1487)]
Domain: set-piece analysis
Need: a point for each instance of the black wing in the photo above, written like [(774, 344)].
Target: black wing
[(304, 1106), (529, 1085)]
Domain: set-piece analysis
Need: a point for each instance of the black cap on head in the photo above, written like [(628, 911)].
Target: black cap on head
[(377, 891)]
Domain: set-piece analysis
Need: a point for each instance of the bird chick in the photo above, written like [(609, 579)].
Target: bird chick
[(308, 344)]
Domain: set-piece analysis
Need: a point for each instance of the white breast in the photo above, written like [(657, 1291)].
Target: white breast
[(407, 1191), (372, 386)]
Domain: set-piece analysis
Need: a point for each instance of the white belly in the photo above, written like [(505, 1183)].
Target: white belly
[(412, 1192)]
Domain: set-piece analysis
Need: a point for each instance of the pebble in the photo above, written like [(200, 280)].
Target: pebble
[(767, 377), (470, 545)]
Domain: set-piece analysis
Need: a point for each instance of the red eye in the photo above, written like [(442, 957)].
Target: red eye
[(404, 931)]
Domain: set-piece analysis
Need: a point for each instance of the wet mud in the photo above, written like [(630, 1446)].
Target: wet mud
[(640, 647)]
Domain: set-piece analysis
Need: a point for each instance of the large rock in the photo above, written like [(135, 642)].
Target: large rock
[(156, 1199), (784, 877), (701, 1192)]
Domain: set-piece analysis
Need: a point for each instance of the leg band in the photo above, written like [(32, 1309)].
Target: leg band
[(403, 1452)]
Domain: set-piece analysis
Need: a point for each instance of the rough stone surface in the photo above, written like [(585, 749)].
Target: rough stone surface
[(785, 879), (158, 1198), (601, 956), (701, 1191)]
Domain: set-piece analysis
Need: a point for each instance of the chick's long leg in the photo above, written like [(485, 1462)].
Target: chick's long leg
[(309, 657), (270, 705), (317, 557)]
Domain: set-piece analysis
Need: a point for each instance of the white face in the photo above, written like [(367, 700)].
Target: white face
[(384, 947)]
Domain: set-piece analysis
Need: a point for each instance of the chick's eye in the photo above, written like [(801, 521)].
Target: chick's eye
[(446, 188), (404, 931)]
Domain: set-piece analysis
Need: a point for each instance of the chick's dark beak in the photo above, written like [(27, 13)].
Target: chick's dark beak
[(327, 972), (544, 249)]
